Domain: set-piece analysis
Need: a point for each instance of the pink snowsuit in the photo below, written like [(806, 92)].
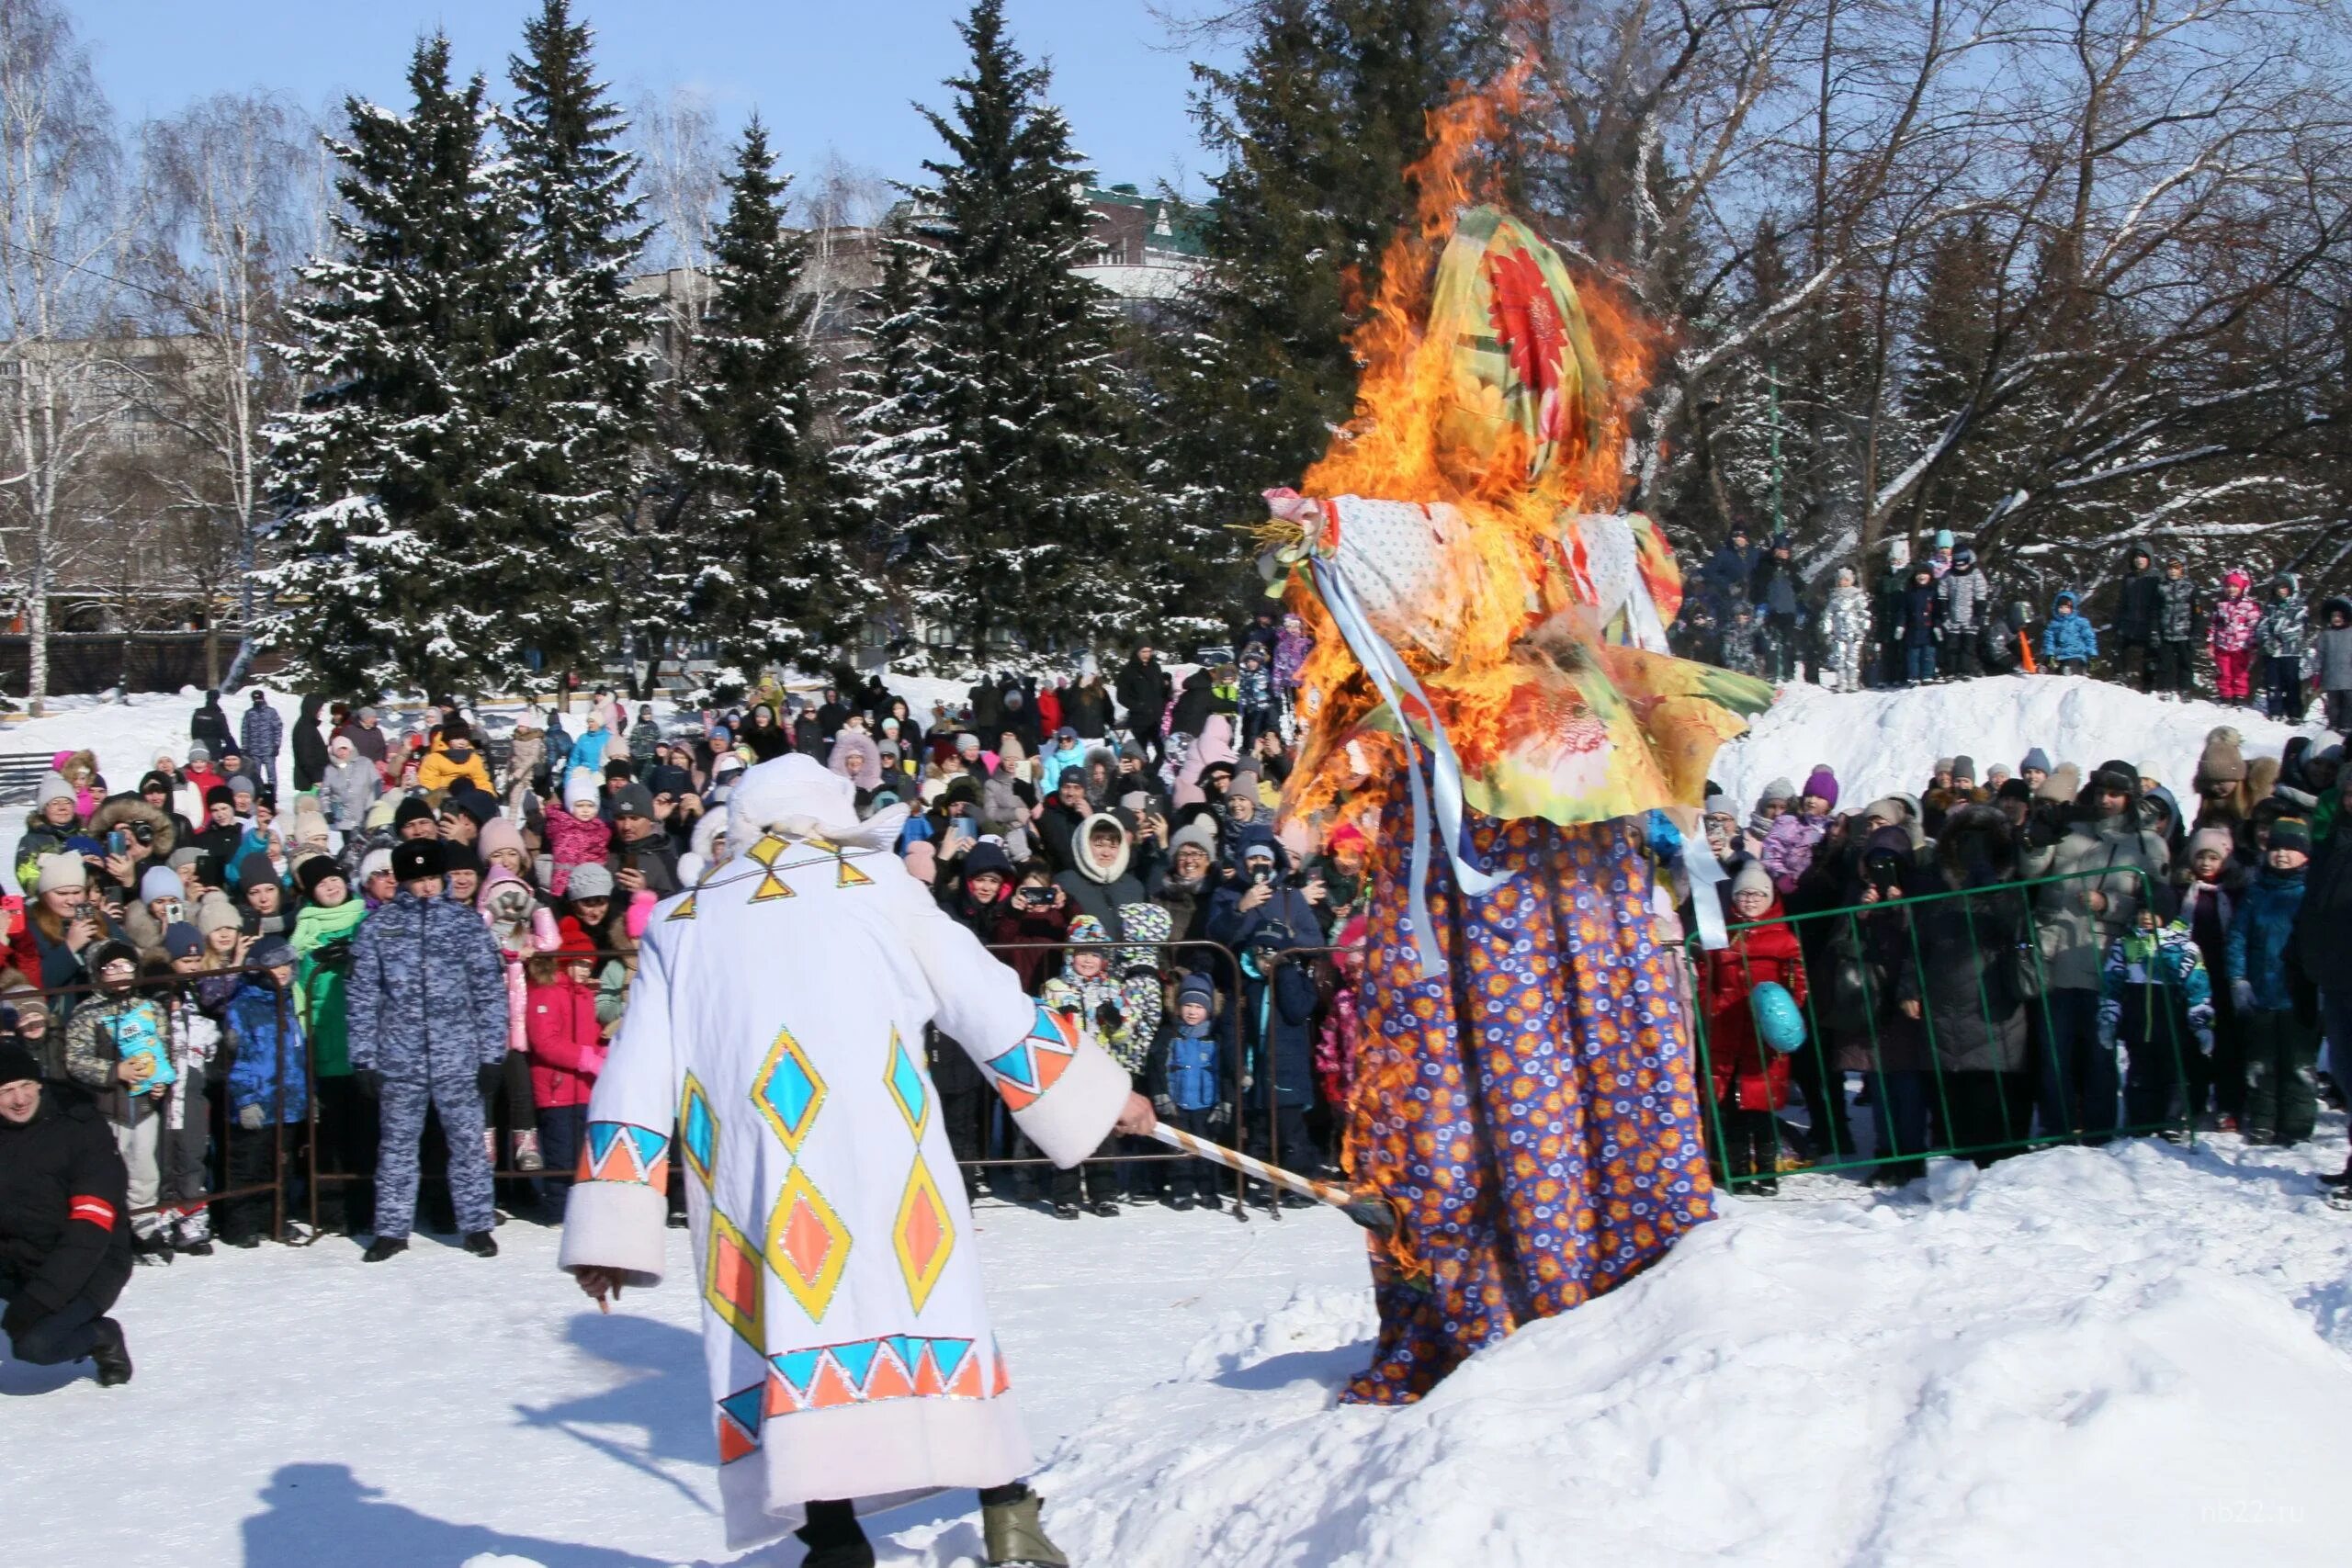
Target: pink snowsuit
[(2232, 635), (573, 843)]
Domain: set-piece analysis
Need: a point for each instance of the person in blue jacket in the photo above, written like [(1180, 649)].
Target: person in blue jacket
[(269, 1082), (2069, 642), (2277, 1009), (1185, 1078)]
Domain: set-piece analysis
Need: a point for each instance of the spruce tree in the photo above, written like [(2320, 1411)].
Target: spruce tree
[(753, 514), (581, 390), (398, 561), (1316, 127), (893, 456), (1015, 369)]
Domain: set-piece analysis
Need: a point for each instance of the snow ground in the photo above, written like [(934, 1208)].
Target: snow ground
[(1882, 742), (2079, 1357), (295, 1408)]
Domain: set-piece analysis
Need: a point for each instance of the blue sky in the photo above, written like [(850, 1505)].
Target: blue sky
[(822, 72)]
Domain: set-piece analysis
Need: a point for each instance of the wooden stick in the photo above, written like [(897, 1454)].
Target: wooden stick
[(1372, 1213)]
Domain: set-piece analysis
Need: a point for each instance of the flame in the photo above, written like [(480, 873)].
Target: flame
[(1396, 448)]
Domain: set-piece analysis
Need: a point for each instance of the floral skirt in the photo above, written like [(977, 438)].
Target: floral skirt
[(1532, 1112)]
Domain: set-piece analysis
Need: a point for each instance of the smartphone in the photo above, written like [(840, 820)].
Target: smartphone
[(117, 843)]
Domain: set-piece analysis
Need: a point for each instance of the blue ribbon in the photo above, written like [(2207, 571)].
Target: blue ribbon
[(1389, 672)]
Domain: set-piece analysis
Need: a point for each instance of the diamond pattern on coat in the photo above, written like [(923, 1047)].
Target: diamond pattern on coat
[(807, 1246), (788, 1090)]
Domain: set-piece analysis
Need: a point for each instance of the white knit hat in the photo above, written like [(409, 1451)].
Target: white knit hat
[(53, 786), (63, 869)]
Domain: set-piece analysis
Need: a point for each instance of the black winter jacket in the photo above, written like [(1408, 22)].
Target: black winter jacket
[(64, 1209)]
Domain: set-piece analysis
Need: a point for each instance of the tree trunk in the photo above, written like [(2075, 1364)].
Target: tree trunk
[(37, 644)]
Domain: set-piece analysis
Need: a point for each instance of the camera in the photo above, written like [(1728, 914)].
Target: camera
[(1036, 896), (1261, 877)]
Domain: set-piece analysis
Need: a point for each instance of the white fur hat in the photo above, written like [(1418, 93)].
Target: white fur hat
[(800, 796)]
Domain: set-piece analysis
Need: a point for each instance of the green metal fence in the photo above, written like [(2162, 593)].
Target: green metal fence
[(1944, 1001)]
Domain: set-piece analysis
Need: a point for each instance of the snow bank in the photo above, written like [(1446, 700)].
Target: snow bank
[(2080, 1357), (1881, 741)]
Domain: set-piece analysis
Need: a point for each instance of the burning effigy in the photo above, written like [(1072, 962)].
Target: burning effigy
[(1491, 694)]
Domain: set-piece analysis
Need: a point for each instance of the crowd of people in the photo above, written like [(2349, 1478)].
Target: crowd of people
[(413, 949), (2037, 954), (1944, 617)]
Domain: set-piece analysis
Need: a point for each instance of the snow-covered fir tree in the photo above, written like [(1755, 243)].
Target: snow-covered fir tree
[(583, 398), (892, 457), (750, 514), (400, 556), (1013, 369)]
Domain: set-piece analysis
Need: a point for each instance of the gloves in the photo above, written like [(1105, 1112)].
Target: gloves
[(488, 1076), (251, 1118), (1109, 1018), (1222, 1115), (1163, 1107), (370, 1081), (2242, 993)]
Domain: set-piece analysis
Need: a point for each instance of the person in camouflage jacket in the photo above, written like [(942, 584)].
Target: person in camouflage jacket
[(2281, 640), (426, 1021), (2178, 608)]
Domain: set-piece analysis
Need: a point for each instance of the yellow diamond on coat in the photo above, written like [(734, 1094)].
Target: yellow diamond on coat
[(922, 1235)]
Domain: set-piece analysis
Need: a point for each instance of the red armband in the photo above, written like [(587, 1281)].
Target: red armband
[(97, 1211)]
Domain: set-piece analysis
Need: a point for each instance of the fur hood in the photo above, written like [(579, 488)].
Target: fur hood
[(1085, 861), (1976, 838), (129, 809)]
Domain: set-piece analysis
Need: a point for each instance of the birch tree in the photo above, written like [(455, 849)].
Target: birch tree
[(62, 235)]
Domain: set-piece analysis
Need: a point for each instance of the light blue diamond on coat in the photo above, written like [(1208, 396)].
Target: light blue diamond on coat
[(909, 1088), (788, 1090)]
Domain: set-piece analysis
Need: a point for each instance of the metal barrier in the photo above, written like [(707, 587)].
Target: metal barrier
[(1865, 966), (1880, 968), (317, 1179), (225, 1138)]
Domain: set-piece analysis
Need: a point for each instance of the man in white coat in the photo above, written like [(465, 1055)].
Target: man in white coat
[(776, 1022)]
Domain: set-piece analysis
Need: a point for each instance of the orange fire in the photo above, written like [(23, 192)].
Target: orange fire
[(1396, 449)]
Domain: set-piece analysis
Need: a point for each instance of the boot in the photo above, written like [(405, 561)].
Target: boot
[(110, 1354), (482, 1243), (527, 1153), (1015, 1537), (834, 1538), (384, 1247), (2342, 1180)]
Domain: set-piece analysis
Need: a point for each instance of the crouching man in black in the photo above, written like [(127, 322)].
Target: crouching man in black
[(65, 1223)]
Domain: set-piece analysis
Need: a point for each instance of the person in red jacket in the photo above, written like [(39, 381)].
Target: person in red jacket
[(1751, 1082), (64, 1224), (566, 1043)]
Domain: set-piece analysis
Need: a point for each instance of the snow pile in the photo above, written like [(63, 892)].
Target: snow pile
[(1881, 741), (2078, 1356)]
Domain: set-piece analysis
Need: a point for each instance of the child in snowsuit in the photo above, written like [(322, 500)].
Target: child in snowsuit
[(1256, 688), (2282, 1048), (1787, 847), (1743, 652), (2156, 1003), (2069, 642), (1922, 625), (117, 1046), (2334, 650), (2230, 632), (2213, 882), (2178, 606), (1336, 1040), (1749, 1081), (524, 928), (576, 836), (1087, 992), (269, 1081), (1845, 630), (2285, 628), (567, 1048), (1186, 1080)]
